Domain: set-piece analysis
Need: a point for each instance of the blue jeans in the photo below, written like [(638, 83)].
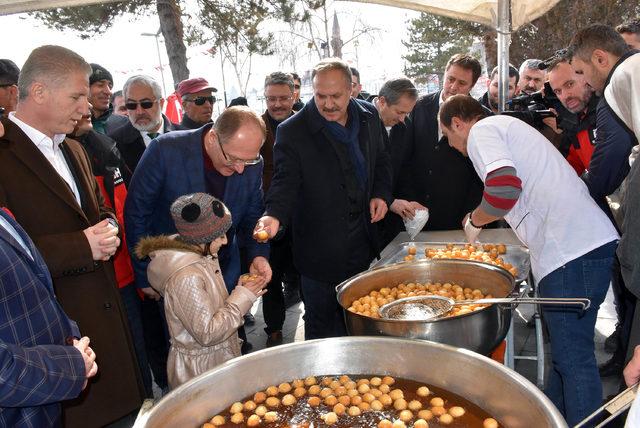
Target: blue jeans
[(323, 316), (574, 384)]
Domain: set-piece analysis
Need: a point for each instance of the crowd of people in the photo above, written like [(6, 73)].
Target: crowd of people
[(132, 247)]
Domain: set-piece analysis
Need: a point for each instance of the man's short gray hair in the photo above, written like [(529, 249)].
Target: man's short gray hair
[(530, 64), (51, 65), (142, 79), (329, 64), (392, 90), (279, 78)]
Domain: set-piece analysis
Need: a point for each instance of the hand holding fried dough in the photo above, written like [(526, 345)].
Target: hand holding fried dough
[(266, 228)]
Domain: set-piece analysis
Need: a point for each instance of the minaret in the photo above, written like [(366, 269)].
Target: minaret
[(336, 41)]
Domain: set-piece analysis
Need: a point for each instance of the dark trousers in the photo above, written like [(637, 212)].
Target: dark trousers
[(156, 339), (323, 315), (574, 384), (625, 303), (273, 303), (132, 306)]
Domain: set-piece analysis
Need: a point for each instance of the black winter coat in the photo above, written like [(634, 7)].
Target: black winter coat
[(308, 190)]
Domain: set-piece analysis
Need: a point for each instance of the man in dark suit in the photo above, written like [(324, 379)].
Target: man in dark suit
[(41, 360), (47, 182), (279, 95), (332, 182), (143, 98), (434, 174), (394, 103)]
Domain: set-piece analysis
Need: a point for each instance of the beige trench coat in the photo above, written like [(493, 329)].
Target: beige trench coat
[(202, 317)]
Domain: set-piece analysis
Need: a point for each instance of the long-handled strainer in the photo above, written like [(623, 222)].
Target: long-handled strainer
[(426, 308)]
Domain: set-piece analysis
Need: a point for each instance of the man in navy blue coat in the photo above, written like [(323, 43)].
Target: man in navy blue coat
[(221, 159), (332, 182), (41, 362)]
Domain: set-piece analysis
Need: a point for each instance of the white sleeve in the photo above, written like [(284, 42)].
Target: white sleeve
[(488, 149), (623, 93)]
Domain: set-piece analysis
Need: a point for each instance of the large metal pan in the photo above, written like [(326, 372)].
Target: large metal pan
[(503, 393), (481, 331)]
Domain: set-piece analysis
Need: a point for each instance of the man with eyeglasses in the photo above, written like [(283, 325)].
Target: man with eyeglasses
[(197, 102), (9, 73), (221, 159), (279, 89), (144, 101), (297, 87)]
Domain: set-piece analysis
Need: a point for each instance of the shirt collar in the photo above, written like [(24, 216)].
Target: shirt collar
[(34, 135)]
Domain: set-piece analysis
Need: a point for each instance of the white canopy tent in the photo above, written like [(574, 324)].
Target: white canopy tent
[(8, 7), (503, 15)]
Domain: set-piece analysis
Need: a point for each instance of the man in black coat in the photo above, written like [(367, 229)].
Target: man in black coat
[(434, 174), (332, 182), (143, 99)]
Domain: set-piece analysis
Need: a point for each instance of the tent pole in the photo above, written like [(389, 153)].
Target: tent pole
[(504, 40)]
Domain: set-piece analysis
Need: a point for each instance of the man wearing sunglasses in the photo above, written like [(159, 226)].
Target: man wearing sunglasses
[(9, 73), (144, 102), (197, 102)]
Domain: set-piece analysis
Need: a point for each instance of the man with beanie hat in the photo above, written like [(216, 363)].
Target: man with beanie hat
[(197, 102), (9, 73), (184, 269), (100, 86)]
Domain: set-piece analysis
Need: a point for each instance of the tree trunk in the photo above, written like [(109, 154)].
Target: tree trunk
[(172, 31)]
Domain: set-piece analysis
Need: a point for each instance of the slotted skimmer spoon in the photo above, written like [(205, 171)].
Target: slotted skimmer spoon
[(426, 308)]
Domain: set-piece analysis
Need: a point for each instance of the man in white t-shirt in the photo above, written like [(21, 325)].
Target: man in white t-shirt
[(571, 241)]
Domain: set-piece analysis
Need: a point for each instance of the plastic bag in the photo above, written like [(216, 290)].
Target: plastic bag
[(415, 225)]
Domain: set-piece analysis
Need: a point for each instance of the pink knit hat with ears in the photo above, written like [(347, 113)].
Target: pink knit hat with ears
[(200, 218)]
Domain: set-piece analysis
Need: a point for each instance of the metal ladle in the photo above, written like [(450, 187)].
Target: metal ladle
[(426, 308)]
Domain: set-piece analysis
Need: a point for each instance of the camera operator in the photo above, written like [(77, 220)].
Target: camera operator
[(490, 98), (532, 77)]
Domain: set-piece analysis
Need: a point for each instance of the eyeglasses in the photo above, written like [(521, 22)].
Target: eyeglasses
[(201, 100), (280, 99), (132, 105), (232, 161)]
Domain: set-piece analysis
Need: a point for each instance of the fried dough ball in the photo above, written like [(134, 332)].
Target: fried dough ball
[(335, 384), (261, 411), (437, 402), (405, 415), (329, 418), (398, 424), (490, 423), (364, 388), (376, 405), (259, 397), (352, 392), (344, 400), (284, 387), (339, 391), (376, 392), (423, 391), (289, 400), (299, 392), (411, 250), (272, 402), (330, 400), (385, 423), (314, 390), (344, 379), (297, 383), (350, 385), (409, 258), (249, 406), (438, 411), (339, 409), (400, 404), (384, 388), (355, 400), (237, 418), (368, 397), (425, 414), (218, 420), (314, 401), (325, 392), (456, 411), (270, 417), (364, 406), (396, 394), (375, 381), (415, 405), (254, 421), (446, 419), (385, 400), (354, 411), (272, 391), (207, 425), (362, 381), (311, 380), (420, 423), (388, 380), (326, 381), (236, 407)]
